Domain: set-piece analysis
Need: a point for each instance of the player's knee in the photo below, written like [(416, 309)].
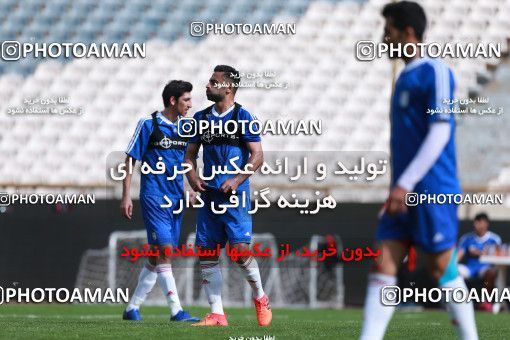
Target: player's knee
[(491, 274), (240, 248), (382, 267), (163, 253), (445, 272), (242, 260), (163, 260), (152, 260), (437, 274), (209, 258)]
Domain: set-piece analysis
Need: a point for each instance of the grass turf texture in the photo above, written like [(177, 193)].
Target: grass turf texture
[(52, 321)]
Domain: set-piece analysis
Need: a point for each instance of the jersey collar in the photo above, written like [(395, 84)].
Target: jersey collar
[(415, 63), (483, 238), (163, 118), (216, 114)]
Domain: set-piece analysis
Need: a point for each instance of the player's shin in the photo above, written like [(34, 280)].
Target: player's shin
[(212, 283), (378, 309), (146, 281), (250, 269), (461, 313), (167, 282)]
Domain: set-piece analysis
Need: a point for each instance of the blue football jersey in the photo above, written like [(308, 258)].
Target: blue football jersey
[(471, 240), (215, 155), (140, 149), (423, 85)]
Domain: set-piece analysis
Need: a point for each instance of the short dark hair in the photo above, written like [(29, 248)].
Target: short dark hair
[(230, 74), (175, 88), (482, 216), (407, 14)]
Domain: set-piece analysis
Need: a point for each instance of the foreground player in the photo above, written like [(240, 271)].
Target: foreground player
[(156, 139), (235, 226), (423, 161), (471, 247)]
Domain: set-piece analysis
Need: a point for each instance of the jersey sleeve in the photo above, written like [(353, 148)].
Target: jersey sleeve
[(440, 88), (497, 239), (463, 243), (250, 131), (138, 144)]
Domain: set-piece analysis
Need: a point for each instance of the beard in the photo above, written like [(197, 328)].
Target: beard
[(214, 97)]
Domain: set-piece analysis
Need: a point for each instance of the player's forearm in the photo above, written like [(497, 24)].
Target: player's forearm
[(126, 183), (253, 164), (192, 173), (460, 255)]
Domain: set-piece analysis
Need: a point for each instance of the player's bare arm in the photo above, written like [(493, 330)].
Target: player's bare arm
[(253, 163), (196, 183), (396, 201), (126, 204)]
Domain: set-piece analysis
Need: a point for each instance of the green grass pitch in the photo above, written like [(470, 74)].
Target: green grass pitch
[(45, 321)]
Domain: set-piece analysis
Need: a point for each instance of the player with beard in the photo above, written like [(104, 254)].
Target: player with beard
[(235, 225)]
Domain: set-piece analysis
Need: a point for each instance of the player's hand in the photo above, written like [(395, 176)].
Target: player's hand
[(229, 185), (397, 201), (473, 251), (192, 197), (126, 207), (198, 185)]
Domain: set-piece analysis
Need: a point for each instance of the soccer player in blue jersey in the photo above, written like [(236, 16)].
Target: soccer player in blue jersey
[(157, 139), (471, 246), (235, 225), (423, 161)]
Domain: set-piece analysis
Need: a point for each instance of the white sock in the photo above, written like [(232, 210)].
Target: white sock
[(461, 314), (146, 281), (376, 315), (167, 282), (250, 269), (212, 282)]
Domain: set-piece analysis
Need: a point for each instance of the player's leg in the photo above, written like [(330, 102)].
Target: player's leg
[(166, 281), (238, 226), (443, 267), (146, 281), (148, 275), (169, 234), (209, 234), (168, 286), (376, 314), (488, 275), (437, 225), (212, 282), (464, 271), (250, 269)]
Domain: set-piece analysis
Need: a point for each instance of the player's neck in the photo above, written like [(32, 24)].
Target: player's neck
[(223, 106), (481, 234), (414, 56), (170, 114), (408, 60)]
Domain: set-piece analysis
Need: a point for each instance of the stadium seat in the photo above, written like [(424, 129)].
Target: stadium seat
[(317, 62)]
